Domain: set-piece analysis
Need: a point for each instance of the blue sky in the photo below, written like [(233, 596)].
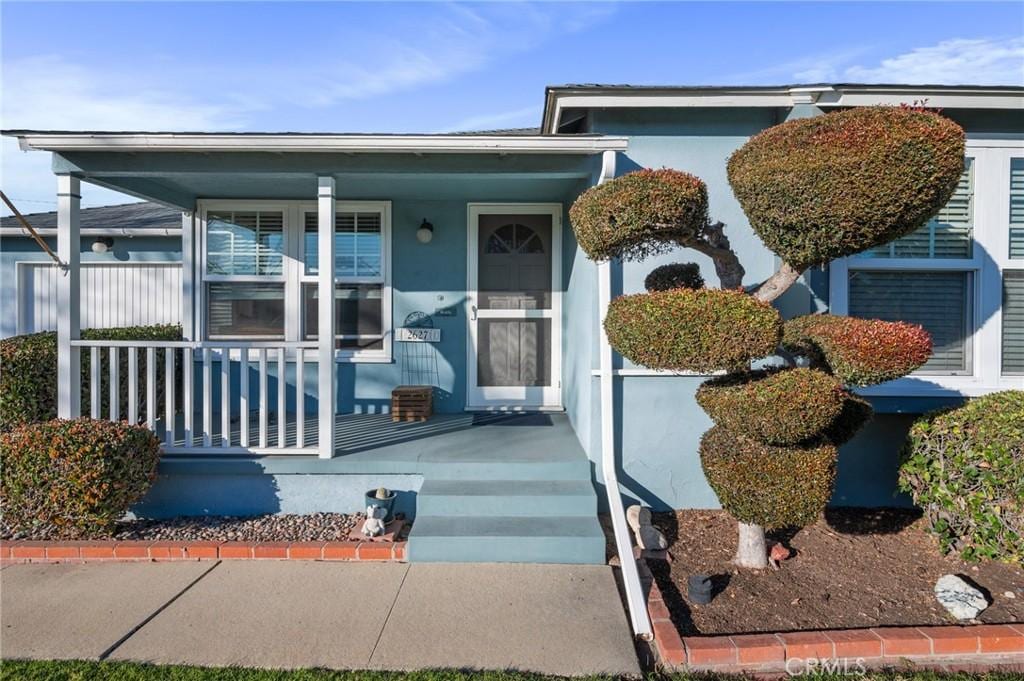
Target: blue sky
[(431, 67)]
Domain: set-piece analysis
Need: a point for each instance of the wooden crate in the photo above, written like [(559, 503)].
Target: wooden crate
[(412, 403)]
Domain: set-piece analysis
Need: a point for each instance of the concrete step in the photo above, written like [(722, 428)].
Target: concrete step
[(507, 539), (506, 498), (574, 468)]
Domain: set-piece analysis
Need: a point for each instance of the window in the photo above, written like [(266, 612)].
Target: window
[(960, 276), (260, 274)]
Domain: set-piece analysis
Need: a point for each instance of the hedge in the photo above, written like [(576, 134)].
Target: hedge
[(73, 479), (859, 351), (639, 214), (821, 188), (855, 414), (773, 487), (777, 407), (28, 382), (674, 275), (965, 468), (692, 330)]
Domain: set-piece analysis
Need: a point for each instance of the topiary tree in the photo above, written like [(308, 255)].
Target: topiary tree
[(813, 190)]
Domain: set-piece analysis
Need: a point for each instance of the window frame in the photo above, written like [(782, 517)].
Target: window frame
[(990, 258), (293, 275)]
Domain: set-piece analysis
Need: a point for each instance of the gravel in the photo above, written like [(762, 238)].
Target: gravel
[(290, 527)]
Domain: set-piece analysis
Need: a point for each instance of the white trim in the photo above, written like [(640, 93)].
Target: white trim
[(326, 369), (825, 96), (69, 376), (545, 398), (990, 259), (655, 373), (174, 141), (129, 232)]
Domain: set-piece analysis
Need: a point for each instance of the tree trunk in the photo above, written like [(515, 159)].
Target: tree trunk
[(752, 551), (777, 284)]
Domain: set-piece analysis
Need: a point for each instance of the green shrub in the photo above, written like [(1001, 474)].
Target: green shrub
[(965, 468), (674, 275), (821, 188), (692, 330), (774, 407), (855, 414), (639, 214), (72, 479), (773, 487), (28, 382), (859, 351)]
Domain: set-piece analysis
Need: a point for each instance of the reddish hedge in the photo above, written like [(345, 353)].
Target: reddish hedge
[(638, 214), (859, 351), (821, 188), (700, 330), (775, 407), (674, 275), (73, 479), (773, 487)]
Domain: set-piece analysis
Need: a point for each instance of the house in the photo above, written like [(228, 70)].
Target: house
[(448, 260), (131, 269)]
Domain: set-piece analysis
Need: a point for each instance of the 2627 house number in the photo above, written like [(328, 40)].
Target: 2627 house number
[(418, 335)]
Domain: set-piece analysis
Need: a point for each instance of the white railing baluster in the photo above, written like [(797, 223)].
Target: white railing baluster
[(300, 398), (282, 397), (207, 399), (151, 388), (169, 413), (243, 398), (94, 382), (225, 397), (115, 384), (263, 397), (187, 400), (133, 385)]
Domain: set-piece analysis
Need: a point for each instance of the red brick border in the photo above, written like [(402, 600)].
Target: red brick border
[(113, 550), (978, 647)]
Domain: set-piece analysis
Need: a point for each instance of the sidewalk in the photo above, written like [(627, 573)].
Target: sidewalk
[(554, 619)]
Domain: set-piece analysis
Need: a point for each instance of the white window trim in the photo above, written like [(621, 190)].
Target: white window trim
[(293, 274), (990, 258)]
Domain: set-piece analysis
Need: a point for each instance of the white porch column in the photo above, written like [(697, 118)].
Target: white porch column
[(69, 375), (639, 619), (325, 312), (188, 276)]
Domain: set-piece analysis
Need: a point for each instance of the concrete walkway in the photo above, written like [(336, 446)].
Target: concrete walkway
[(555, 619)]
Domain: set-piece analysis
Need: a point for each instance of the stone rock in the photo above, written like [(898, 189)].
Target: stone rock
[(647, 535), (962, 600)]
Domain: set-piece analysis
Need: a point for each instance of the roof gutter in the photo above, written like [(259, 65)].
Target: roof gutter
[(97, 231), (395, 144)]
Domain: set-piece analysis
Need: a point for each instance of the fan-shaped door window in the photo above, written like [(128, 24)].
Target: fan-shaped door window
[(515, 262)]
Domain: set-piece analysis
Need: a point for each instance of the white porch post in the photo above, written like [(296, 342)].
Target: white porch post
[(630, 574), (325, 312), (188, 276), (69, 375)]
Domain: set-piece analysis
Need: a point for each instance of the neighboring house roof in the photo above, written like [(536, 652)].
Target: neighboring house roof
[(560, 98), (138, 219)]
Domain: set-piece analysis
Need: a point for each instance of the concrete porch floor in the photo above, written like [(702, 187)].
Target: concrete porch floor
[(565, 620)]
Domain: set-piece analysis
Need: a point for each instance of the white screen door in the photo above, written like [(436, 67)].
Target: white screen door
[(514, 291)]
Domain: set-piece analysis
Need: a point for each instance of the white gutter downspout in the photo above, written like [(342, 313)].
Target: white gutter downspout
[(635, 598)]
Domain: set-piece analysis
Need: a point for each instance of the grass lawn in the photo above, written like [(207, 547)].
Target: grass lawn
[(121, 671)]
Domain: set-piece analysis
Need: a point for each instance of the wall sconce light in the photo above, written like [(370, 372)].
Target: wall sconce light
[(102, 244), (425, 232)]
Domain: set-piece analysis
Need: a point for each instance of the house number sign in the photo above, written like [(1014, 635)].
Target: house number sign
[(416, 334)]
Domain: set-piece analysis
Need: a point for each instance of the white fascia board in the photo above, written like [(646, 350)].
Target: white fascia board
[(95, 231), (820, 95), (415, 144)]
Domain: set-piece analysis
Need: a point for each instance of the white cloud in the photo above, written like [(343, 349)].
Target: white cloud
[(47, 92), (518, 118), (961, 61)]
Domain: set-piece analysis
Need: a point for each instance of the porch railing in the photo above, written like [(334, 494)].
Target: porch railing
[(205, 397)]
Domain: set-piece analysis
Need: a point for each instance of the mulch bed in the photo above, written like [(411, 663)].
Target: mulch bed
[(263, 528), (854, 568)]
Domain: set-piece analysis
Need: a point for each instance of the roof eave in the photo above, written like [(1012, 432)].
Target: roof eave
[(278, 143)]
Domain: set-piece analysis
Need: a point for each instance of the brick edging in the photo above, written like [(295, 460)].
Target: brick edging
[(875, 647), (19, 551)]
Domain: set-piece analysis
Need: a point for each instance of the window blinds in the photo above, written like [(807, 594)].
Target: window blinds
[(1013, 322), (1017, 208)]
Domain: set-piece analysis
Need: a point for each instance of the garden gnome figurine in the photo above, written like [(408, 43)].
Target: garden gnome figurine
[(647, 536), (374, 524)]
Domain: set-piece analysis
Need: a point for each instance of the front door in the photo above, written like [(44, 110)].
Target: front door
[(514, 306)]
